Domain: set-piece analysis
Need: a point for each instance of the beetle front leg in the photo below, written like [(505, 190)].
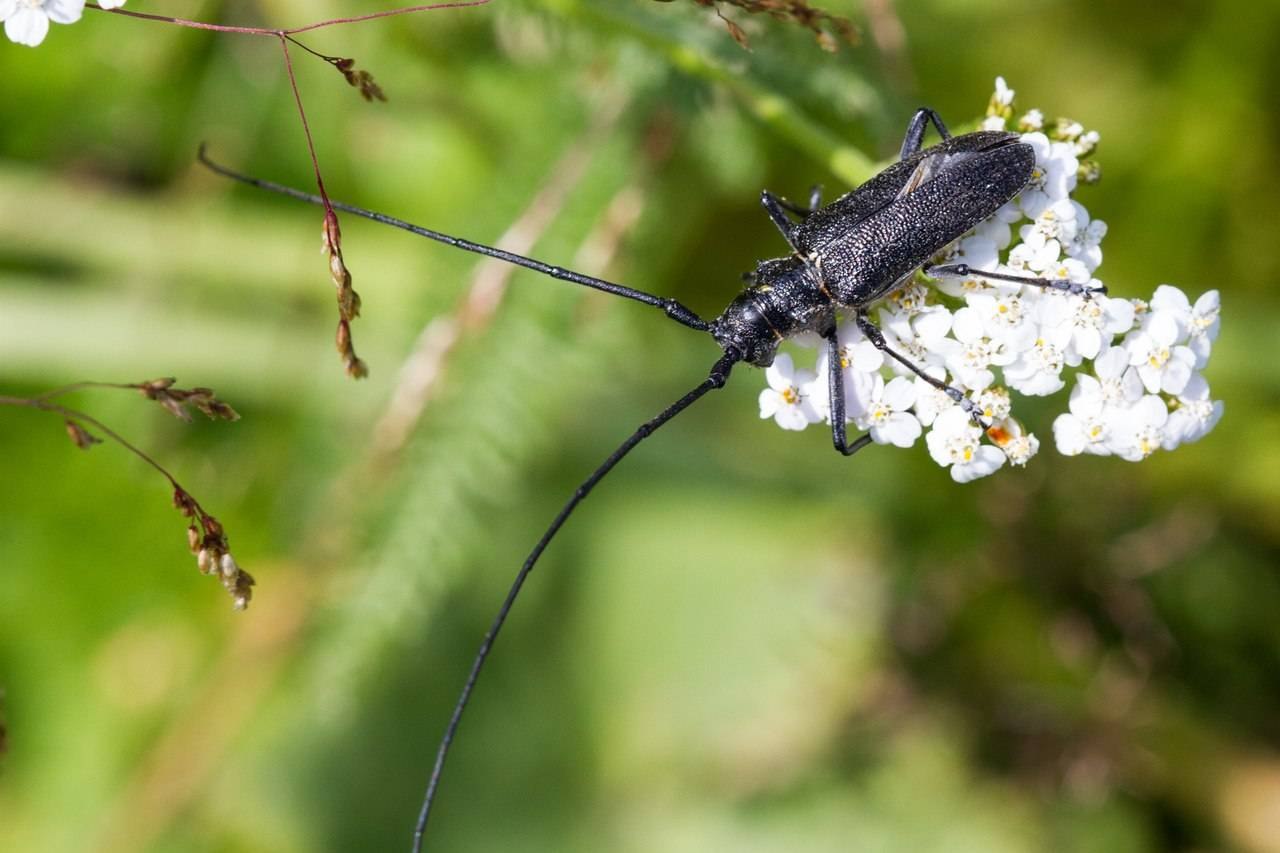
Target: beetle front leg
[(1074, 288), (914, 139), (835, 389), (873, 333)]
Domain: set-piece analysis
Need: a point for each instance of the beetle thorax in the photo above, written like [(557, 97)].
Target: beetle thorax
[(784, 300)]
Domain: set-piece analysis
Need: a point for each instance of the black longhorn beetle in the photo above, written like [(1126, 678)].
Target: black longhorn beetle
[(844, 256)]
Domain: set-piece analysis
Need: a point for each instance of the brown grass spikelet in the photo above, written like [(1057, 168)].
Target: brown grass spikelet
[(358, 78), (179, 401), (828, 29), (348, 299), (82, 438), (208, 541)]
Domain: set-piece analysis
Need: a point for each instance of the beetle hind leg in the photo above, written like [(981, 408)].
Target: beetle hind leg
[(914, 139), (1065, 285), (873, 333)]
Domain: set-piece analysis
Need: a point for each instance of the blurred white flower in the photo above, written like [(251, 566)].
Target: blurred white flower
[(1003, 95), (27, 21)]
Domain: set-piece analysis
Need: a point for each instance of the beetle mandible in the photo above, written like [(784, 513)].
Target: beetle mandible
[(844, 256)]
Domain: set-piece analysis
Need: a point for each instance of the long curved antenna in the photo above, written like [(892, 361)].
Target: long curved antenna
[(716, 379), (670, 307)]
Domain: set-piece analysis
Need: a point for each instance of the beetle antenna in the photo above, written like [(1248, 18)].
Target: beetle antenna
[(670, 307), (715, 379)]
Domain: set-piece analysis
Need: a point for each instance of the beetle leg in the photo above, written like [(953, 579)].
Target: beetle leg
[(815, 202), (1074, 288), (775, 206), (873, 333), (915, 131), (835, 385)]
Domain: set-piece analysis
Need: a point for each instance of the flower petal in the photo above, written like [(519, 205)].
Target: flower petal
[(64, 11), (27, 26)]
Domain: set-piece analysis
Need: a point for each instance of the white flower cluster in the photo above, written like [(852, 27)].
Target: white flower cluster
[(1145, 391), (27, 21)]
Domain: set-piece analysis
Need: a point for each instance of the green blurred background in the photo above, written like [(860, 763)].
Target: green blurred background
[(742, 641)]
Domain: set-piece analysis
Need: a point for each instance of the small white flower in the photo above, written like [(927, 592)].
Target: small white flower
[(1194, 416), (1005, 317), (994, 403), (910, 299), (27, 21), (1138, 431), (1118, 383), (1086, 143), (1055, 222), (1038, 370), (974, 353), (1086, 245), (1031, 122), (980, 251), (921, 337), (1197, 325), (1162, 364), (887, 417), (996, 229), (1054, 175), (1068, 130), (954, 441), (1018, 446), (1034, 254), (931, 401), (1003, 95), (1084, 429), (787, 399), (1090, 325)]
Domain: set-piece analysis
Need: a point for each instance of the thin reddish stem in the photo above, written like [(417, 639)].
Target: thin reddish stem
[(76, 415), (306, 128), (264, 31)]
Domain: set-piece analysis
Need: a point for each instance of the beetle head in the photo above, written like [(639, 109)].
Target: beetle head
[(743, 328)]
